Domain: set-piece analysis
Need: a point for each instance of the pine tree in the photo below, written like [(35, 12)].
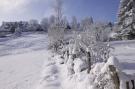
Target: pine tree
[(126, 19)]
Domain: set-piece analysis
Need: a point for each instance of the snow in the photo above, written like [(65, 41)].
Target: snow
[(21, 60), (112, 61), (20, 71), (79, 65), (97, 68), (113, 35), (50, 78), (59, 59), (124, 51), (25, 63)]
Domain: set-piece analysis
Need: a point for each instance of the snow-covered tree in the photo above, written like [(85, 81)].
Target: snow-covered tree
[(45, 24), (51, 20), (91, 41), (58, 7), (86, 22), (33, 25), (126, 19), (56, 30), (74, 23), (115, 34), (65, 22), (17, 32)]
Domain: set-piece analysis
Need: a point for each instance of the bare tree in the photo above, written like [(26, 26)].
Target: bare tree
[(58, 11), (56, 31)]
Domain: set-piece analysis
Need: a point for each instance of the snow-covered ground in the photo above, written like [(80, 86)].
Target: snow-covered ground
[(25, 62), (21, 61), (125, 52)]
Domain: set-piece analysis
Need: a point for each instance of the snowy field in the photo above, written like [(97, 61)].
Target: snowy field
[(21, 60), (25, 62)]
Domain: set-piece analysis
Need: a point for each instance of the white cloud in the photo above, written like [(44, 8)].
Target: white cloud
[(7, 6), (12, 10), (12, 5)]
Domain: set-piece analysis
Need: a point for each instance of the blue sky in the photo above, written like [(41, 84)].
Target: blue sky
[(105, 10), (100, 10)]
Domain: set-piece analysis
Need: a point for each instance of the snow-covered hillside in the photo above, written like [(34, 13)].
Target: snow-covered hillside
[(25, 62)]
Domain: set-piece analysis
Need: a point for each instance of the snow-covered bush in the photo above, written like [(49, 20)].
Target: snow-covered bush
[(101, 76), (80, 65), (90, 44)]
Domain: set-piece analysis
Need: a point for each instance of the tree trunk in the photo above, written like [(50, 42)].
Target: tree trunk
[(114, 76), (89, 61), (133, 83), (127, 85)]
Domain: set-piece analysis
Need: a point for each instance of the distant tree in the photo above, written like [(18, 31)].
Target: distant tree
[(58, 12), (74, 23), (51, 20), (13, 27), (33, 25), (44, 24), (65, 22), (86, 22), (110, 24), (17, 32)]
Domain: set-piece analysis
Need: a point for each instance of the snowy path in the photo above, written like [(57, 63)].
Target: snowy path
[(25, 63), (21, 71), (21, 61)]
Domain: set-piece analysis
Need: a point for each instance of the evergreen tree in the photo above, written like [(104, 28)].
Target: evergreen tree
[(126, 19)]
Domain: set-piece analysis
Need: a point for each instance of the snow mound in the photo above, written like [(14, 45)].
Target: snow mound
[(59, 59), (113, 35), (112, 61), (97, 68), (79, 65)]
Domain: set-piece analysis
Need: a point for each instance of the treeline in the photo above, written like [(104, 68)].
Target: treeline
[(45, 23)]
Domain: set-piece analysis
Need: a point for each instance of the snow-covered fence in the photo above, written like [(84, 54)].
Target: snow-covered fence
[(130, 84)]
